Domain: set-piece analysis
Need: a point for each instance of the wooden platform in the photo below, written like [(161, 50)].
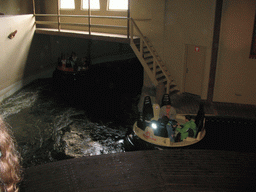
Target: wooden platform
[(166, 170)]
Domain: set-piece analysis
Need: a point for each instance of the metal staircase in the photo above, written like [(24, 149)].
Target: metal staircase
[(151, 61)]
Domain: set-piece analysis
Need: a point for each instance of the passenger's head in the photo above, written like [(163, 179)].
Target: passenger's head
[(168, 106), (188, 117), (10, 170)]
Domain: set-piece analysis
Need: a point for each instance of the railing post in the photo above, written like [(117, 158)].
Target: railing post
[(58, 14), (131, 41), (168, 86), (154, 67), (128, 17), (34, 7), (141, 47), (89, 16)]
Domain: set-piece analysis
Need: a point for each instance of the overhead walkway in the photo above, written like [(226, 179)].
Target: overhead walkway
[(153, 64)]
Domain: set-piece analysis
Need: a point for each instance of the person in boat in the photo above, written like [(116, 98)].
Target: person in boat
[(74, 61), (10, 169), (84, 65), (167, 116), (167, 109), (186, 130), (171, 127)]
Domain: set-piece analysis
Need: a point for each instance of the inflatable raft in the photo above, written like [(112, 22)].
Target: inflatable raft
[(152, 133)]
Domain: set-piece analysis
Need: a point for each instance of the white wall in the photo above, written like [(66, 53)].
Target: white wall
[(16, 7), (188, 22), (14, 66), (235, 75)]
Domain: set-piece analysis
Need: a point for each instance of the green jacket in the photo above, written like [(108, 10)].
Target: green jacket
[(184, 134)]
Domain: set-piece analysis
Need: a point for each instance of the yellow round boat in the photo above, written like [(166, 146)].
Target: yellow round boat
[(149, 134)]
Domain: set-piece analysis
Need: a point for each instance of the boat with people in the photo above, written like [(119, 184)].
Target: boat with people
[(152, 130), (70, 70)]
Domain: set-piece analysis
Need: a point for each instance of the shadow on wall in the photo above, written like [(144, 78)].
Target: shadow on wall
[(104, 88), (16, 7), (45, 51), (39, 63)]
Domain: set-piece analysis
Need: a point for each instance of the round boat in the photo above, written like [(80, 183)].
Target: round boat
[(151, 133)]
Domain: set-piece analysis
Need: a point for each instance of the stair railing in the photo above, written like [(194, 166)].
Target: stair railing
[(139, 53)]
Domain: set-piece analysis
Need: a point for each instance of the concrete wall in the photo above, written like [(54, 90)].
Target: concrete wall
[(188, 22), (192, 22), (16, 7), (23, 58), (235, 77), (170, 25), (100, 51), (149, 15)]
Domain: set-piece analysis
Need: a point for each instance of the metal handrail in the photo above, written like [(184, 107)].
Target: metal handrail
[(83, 16), (155, 60), (89, 16), (80, 24)]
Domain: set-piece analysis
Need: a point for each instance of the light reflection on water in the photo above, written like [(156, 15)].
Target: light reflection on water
[(45, 126), (15, 104)]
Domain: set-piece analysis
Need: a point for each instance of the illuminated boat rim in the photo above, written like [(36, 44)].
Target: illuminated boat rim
[(148, 136)]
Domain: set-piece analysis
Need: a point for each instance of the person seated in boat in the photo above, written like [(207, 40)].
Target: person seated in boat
[(84, 65), (74, 61), (171, 127), (186, 130), (167, 109), (167, 116)]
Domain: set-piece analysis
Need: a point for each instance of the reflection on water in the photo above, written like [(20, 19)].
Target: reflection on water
[(47, 128), (13, 105)]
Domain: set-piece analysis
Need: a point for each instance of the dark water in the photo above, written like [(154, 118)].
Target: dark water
[(75, 118)]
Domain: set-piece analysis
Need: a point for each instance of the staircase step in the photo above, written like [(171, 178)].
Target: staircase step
[(137, 40), (174, 92), (150, 64), (173, 89), (165, 83), (147, 54), (157, 69), (161, 78), (159, 72), (148, 60), (172, 86), (145, 49), (150, 55)]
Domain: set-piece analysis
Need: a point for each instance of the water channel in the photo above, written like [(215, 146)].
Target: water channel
[(50, 126)]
